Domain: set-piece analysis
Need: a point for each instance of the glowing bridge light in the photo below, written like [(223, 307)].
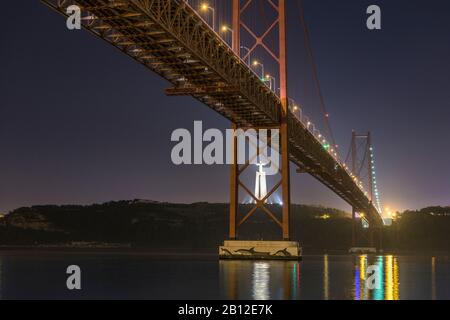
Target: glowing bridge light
[(256, 63), (205, 7)]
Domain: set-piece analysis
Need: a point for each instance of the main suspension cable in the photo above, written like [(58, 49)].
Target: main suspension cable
[(312, 61)]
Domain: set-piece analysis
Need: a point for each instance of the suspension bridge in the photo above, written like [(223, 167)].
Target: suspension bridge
[(176, 40)]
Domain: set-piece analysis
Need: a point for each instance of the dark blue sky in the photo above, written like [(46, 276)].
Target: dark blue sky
[(81, 122)]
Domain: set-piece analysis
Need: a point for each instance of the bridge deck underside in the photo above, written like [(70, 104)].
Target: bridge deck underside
[(168, 37)]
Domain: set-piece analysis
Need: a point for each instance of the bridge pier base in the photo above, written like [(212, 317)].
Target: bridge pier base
[(353, 227), (260, 250), (372, 241), (371, 237), (373, 246)]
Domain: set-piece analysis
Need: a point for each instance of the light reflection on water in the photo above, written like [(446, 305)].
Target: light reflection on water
[(260, 280), (1, 275), (25, 275), (330, 277), (433, 278), (326, 279), (389, 276)]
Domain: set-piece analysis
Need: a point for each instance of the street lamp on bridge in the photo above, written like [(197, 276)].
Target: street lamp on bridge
[(226, 29), (205, 8), (248, 54), (256, 63), (270, 79), (295, 108)]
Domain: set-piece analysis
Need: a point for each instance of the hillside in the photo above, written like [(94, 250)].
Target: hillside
[(203, 226)]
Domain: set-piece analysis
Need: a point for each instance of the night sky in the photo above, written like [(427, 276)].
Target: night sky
[(82, 123)]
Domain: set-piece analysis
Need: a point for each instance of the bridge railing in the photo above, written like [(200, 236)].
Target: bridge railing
[(220, 37)]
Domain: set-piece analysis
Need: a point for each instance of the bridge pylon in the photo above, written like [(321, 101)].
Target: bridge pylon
[(362, 143), (281, 58), (290, 249)]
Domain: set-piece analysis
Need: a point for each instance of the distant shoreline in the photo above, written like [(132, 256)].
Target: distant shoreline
[(200, 228), (174, 252)]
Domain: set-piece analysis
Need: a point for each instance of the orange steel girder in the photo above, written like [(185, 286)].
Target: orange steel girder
[(235, 183)]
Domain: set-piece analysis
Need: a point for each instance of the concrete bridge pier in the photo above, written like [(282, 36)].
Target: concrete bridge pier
[(374, 239)]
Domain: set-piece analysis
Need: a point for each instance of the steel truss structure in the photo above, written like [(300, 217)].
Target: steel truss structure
[(171, 39)]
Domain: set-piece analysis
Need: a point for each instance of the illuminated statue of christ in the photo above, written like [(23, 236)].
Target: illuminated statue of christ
[(260, 183)]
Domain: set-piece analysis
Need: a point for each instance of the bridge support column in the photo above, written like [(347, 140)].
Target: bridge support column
[(286, 249), (270, 250), (234, 174), (285, 163), (380, 239), (235, 183), (353, 227), (375, 237), (371, 231), (234, 192), (369, 246), (237, 170)]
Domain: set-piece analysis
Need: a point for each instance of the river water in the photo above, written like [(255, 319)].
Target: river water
[(42, 275)]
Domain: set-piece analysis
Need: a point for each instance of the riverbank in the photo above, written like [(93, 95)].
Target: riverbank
[(177, 252), (202, 227)]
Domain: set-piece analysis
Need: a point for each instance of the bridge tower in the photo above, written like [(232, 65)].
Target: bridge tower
[(280, 57), (361, 151)]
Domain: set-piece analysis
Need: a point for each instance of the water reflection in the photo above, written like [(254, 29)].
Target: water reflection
[(260, 280), (360, 279), (392, 280), (388, 273), (1, 278), (326, 279), (433, 278), (264, 280), (29, 276)]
